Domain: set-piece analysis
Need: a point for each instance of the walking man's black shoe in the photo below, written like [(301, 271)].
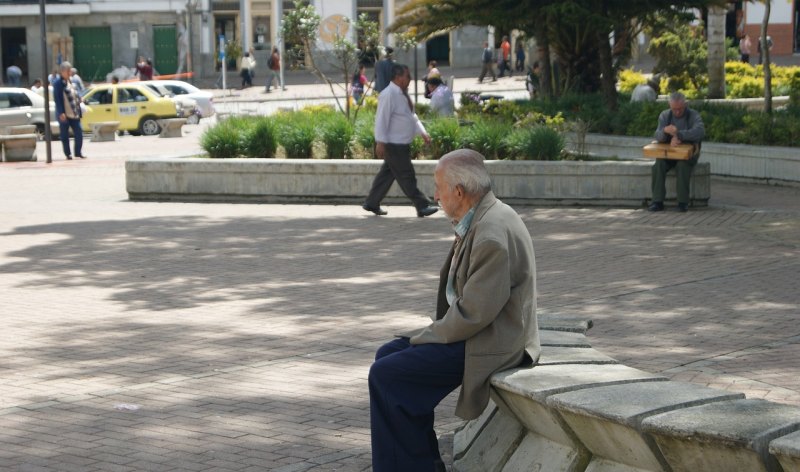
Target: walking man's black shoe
[(378, 211), (656, 206), (427, 211), (683, 207)]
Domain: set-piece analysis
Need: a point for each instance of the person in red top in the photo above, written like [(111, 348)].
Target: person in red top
[(274, 73), (505, 65), (144, 69)]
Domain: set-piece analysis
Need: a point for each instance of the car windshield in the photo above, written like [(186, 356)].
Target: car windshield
[(160, 90)]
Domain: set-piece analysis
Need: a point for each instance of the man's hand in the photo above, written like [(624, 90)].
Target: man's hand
[(62, 117), (380, 150), (675, 141), (671, 129), (427, 139)]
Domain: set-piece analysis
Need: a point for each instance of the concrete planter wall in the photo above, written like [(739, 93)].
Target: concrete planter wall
[(766, 163), (347, 181)]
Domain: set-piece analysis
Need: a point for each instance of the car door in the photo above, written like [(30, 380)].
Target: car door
[(15, 108), (132, 105), (99, 107)]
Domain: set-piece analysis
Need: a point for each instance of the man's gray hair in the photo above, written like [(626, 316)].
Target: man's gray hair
[(65, 65), (677, 97), (465, 167)]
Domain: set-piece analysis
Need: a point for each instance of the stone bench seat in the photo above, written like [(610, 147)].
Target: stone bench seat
[(787, 450), (607, 420), (724, 436), (105, 131), (171, 127), (578, 410), (18, 147)]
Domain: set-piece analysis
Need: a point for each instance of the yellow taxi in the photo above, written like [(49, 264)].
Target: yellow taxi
[(135, 106)]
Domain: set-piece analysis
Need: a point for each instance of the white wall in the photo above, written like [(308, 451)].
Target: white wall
[(780, 13)]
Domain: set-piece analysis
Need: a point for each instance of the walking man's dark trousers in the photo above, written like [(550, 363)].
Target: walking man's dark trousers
[(396, 165)]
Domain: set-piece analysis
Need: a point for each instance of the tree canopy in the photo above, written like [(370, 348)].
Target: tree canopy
[(578, 32)]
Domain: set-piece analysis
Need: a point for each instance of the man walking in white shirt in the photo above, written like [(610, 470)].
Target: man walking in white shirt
[(396, 125)]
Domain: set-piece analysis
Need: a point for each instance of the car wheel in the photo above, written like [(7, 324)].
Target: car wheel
[(149, 126), (193, 119)]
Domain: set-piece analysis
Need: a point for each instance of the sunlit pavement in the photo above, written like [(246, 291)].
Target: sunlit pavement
[(238, 337)]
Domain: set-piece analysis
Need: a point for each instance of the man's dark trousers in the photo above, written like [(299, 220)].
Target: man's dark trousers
[(396, 165), (683, 174), (63, 128), (405, 384)]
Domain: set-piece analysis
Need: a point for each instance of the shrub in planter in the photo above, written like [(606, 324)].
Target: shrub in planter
[(629, 79), (538, 143), (223, 141), (444, 133), (746, 87), (296, 133), (336, 132), (364, 130), (486, 137), (260, 140)]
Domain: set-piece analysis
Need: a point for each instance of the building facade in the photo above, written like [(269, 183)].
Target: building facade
[(98, 36)]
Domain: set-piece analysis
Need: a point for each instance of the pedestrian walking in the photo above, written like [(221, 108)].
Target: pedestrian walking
[(396, 125), (487, 64)]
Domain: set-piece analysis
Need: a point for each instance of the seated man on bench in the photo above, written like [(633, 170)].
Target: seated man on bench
[(678, 125)]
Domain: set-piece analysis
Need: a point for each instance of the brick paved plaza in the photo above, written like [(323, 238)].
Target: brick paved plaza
[(238, 337)]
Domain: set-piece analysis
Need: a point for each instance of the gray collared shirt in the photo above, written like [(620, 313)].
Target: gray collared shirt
[(461, 229)]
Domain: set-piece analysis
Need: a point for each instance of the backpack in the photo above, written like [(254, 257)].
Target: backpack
[(270, 62)]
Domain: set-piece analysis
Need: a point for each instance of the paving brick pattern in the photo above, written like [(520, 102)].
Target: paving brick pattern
[(192, 337)]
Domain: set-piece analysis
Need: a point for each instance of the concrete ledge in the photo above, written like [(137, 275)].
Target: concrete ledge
[(787, 451), (104, 131), (731, 435), (347, 181), (576, 412), (171, 127), (18, 147), (607, 420), (765, 163)]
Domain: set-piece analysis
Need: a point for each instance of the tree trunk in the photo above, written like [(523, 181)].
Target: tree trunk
[(765, 54), (716, 52), (608, 77), (545, 66)]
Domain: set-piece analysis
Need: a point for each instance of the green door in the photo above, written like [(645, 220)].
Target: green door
[(165, 45), (92, 46)]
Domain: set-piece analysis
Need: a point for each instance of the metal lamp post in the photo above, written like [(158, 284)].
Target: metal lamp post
[(47, 131)]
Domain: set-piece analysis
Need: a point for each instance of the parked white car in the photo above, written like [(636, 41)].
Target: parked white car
[(205, 100), (21, 106), (187, 107)]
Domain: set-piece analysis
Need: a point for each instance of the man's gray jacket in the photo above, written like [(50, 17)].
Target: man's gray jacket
[(495, 306)]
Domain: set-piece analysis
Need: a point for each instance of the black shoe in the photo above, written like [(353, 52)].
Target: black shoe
[(378, 211), (82, 157), (683, 207), (69, 158), (427, 211), (656, 206)]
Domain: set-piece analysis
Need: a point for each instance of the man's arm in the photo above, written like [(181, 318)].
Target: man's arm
[(485, 293), (58, 98), (696, 131), (663, 121)]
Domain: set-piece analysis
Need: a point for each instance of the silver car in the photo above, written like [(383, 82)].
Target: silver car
[(205, 100), (21, 106)]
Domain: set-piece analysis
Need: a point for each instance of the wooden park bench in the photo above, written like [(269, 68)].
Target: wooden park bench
[(104, 131), (171, 127)]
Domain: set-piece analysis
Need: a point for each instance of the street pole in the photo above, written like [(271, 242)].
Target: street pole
[(46, 85), (281, 50), (189, 20)]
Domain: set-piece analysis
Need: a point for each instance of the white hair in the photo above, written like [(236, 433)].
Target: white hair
[(465, 167)]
